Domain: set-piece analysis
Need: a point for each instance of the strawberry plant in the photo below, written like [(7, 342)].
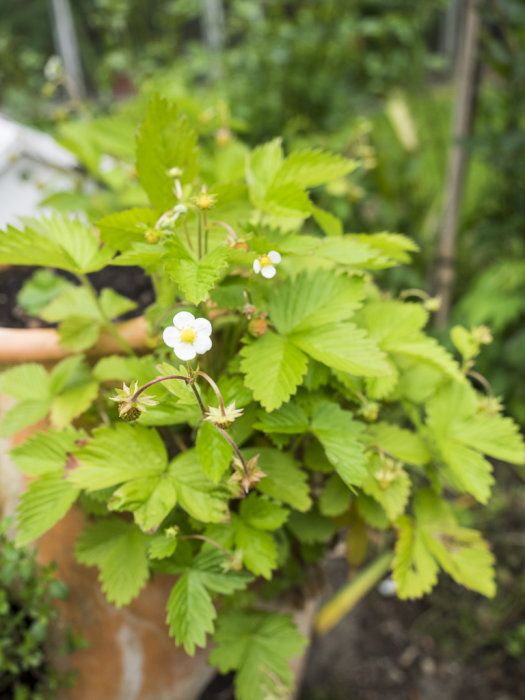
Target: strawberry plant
[(286, 399)]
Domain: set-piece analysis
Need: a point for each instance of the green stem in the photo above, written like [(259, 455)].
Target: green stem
[(206, 230), (343, 601), (106, 321), (199, 230), (156, 381), (215, 389)]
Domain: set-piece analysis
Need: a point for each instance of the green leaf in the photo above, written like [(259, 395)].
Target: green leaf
[(290, 419), (74, 301), (121, 229), (45, 502), (22, 415), (261, 166), (118, 549), (114, 304), (274, 368), (149, 498), (162, 546), (259, 553), (345, 250), (72, 402), (27, 381), (345, 347), (335, 497), (311, 527), (330, 224), (45, 451), (55, 242), (41, 288), (313, 167), (286, 200), (392, 496), (258, 646), (284, 480), (119, 454), (194, 277), (314, 299), (394, 248), (199, 496), (414, 568), (400, 443), (165, 140), (215, 452), (190, 609), (262, 513), (340, 436), (78, 333)]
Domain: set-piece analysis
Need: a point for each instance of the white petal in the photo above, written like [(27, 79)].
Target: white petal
[(268, 272), (184, 351), (202, 344), (202, 326), (171, 336), (256, 265), (183, 319), (274, 256)]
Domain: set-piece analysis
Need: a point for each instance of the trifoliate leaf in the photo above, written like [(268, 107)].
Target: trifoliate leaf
[(118, 549), (340, 436), (56, 242), (194, 277), (215, 452), (199, 496), (165, 141), (121, 229), (45, 452), (190, 609), (258, 646), (335, 497), (119, 454), (343, 346), (45, 502), (284, 480), (314, 298), (40, 289), (274, 368)]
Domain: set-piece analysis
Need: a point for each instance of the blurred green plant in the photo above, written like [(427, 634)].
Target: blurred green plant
[(27, 613)]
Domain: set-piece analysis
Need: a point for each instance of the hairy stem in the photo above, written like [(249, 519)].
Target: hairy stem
[(215, 389), (156, 381)]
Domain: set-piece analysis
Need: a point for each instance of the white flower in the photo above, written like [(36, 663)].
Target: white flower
[(189, 336), (265, 264)]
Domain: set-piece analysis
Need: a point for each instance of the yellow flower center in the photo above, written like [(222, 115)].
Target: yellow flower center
[(265, 261), (188, 335)]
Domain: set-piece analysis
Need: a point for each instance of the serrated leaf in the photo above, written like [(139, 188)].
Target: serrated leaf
[(343, 346), (311, 527), (274, 368), (215, 452), (114, 304), (261, 166), (259, 553), (258, 646), (314, 298), (74, 301), (45, 451), (119, 454), (414, 568), (146, 255), (78, 333), (161, 546), (286, 200), (45, 502), (190, 609), (329, 223), (340, 436), (40, 289), (289, 419), (57, 241), (345, 250), (73, 401), (121, 229), (194, 277), (262, 513), (393, 496), (22, 415), (27, 381), (118, 549), (284, 480), (199, 496), (400, 443), (313, 167), (149, 498), (335, 497), (165, 140), (394, 248)]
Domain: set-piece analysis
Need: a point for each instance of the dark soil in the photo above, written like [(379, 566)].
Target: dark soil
[(128, 281)]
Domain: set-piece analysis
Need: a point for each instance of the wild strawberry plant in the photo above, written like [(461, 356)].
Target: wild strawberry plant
[(286, 399)]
